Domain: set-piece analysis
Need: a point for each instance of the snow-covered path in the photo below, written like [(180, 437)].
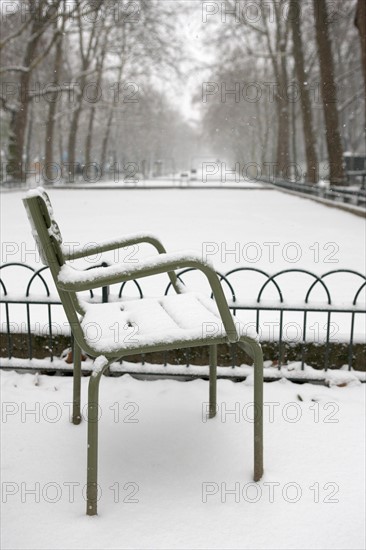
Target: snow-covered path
[(186, 218), (166, 473)]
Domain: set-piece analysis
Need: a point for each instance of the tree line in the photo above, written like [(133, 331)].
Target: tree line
[(79, 86), (83, 82), (293, 74)]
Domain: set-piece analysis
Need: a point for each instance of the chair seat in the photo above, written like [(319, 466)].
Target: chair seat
[(154, 322)]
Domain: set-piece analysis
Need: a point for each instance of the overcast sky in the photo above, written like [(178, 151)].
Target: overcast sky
[(196, 45)]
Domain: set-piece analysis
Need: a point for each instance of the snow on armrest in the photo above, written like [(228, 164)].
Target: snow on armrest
[(96, 248), (74, 279)]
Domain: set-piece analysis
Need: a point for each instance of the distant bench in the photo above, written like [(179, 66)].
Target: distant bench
[(354, 173)]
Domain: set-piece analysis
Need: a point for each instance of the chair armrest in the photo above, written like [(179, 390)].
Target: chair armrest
[(73, 280), (127, 240), (106, 246)]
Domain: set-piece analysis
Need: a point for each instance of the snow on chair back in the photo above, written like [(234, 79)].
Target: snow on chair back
[(43, 216), (49, 242)]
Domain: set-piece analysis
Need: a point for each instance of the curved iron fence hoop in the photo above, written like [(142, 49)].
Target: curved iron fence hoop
[(38, 274), (223, 278), (255, 269), (136, 284), (358, 293), (178, 277), (295, 270), (220, 275), (12, 264), (332, 273), (3, 287)]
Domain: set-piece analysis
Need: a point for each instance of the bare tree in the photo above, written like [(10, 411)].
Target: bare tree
[(267, 39), (302, 80), (279, 61), (41, 15), (50, 124), (88, 39), (329, 94), (360, 22), (99, 75)]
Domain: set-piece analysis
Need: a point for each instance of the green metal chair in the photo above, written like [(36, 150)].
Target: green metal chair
[(184, 319)]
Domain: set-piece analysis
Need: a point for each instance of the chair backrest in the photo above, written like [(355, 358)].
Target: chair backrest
[(45, 229), (47, 235)]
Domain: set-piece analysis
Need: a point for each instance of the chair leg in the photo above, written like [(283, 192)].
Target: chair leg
[(93, 417), (213, 381), (258, 411), (76, 416)]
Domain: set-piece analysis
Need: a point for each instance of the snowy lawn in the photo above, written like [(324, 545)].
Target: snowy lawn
[(187, 219), (171, 479)]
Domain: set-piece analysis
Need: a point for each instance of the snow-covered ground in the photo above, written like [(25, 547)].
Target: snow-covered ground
[(171, 479), (262, 229), (167, 475), (196, 219)]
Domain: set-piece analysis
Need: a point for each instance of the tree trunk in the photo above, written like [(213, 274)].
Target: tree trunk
[(86, 56), (283, 141), (50, 125), (279, 61), (88, 141), (329, 95), (29, 136), (18, 122), (71, 147), (103, 156), (360, 22), (89, 136), (302, 79), (293, 136)]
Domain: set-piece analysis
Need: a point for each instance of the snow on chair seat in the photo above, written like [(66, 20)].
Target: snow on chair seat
[(137, 324)]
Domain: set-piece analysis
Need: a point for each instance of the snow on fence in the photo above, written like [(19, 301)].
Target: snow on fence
[(343, 195), (298, 314)]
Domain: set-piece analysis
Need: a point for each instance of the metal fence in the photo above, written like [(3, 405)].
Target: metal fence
[(270, 297), (342, 195)]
